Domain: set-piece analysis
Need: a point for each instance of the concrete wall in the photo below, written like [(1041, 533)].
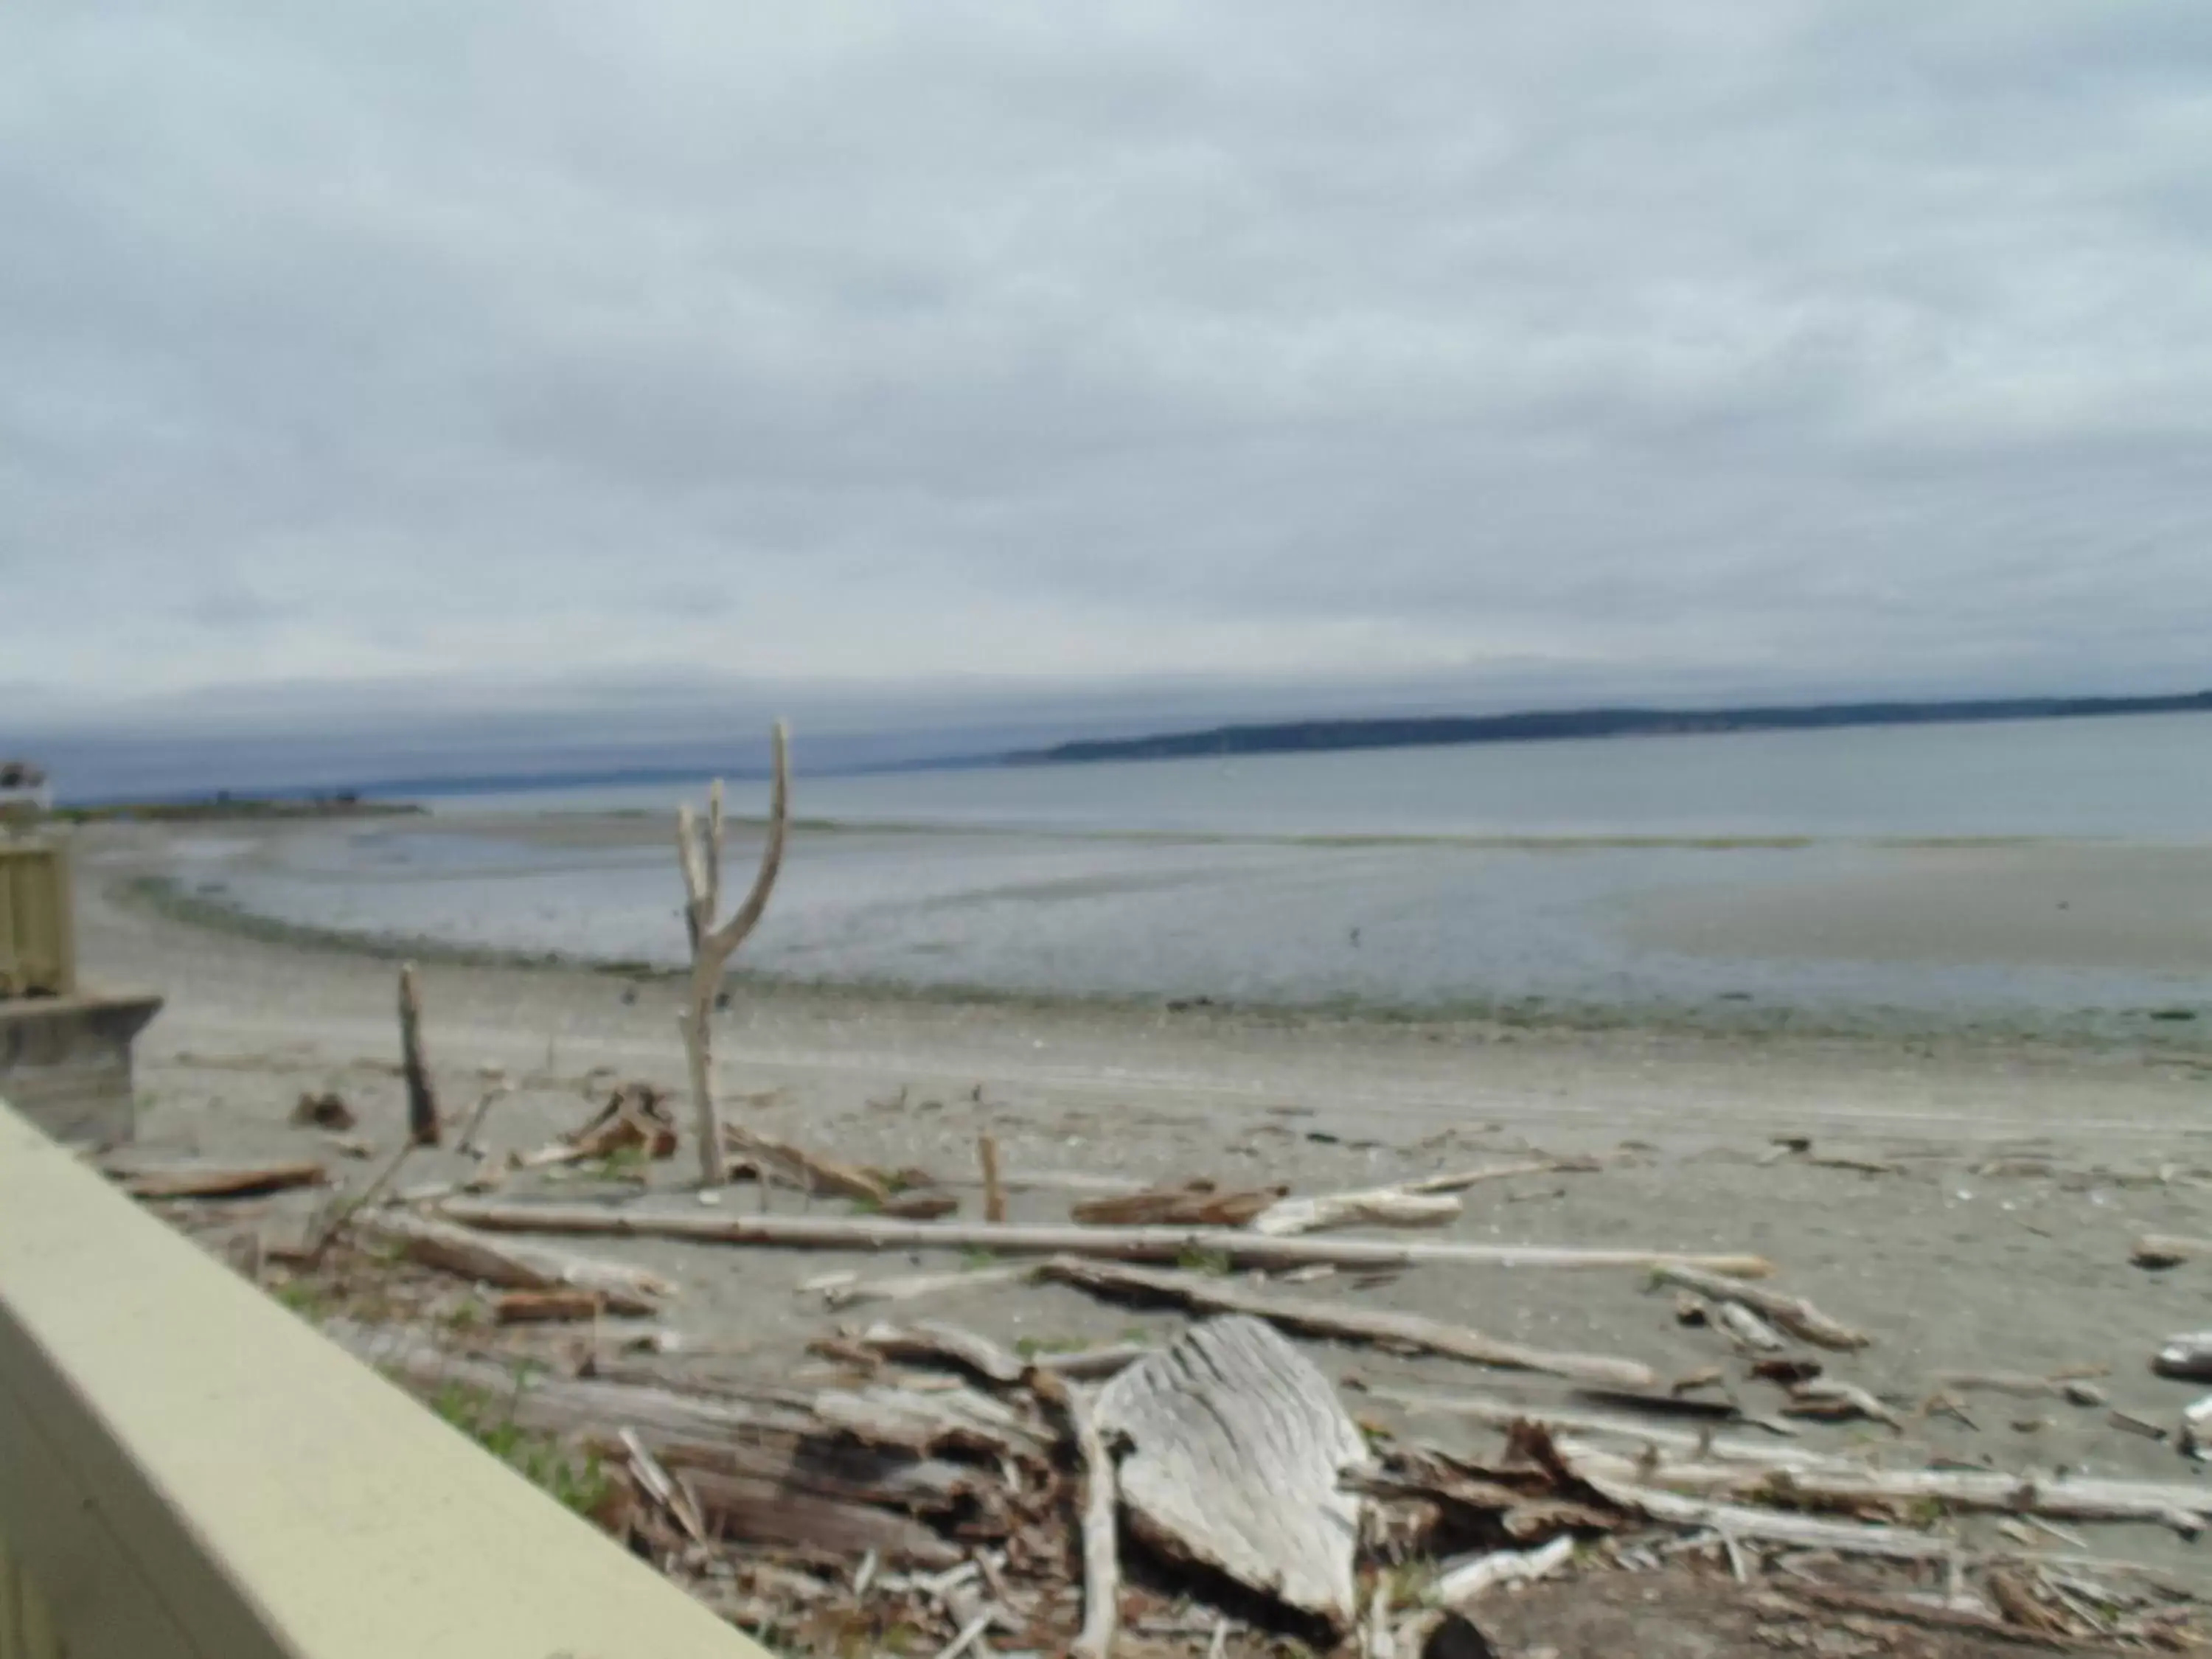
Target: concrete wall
[(187, 1470), (65, 1064)]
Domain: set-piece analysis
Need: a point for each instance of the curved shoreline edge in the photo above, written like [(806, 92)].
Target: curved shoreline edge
[(2152, 1031)]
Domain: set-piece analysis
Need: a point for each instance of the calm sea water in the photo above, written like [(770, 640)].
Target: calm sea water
[(1501, 873)]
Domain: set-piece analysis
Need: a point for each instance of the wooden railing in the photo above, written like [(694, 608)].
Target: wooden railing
[(188, 1469)]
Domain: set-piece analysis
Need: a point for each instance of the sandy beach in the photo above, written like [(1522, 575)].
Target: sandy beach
[(1992, 1234)]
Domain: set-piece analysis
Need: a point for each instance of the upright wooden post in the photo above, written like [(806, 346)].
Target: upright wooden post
[(699, 854), (422, 1098)]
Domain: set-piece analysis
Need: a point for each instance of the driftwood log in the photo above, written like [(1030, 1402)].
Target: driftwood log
[(205, 1178), (422, 1098), (1840, 1484), (1344, 1320), (1376, 1206), (1200, 1203), (1236, 1444), (1240, 1247), (1793, 1314), (519, 1266), (699, 853), (928, 1339)]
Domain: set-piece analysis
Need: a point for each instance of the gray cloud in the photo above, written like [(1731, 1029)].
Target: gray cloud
[(1763, 344)]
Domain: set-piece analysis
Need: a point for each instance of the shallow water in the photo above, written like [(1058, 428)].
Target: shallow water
[(1245, 882)]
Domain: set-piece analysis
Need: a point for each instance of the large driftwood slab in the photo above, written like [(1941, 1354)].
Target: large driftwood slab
[(1345, 1320), (1236, 1444), (1374, 1206), (518, 1267), (1792, 1313), (1240, 1247)]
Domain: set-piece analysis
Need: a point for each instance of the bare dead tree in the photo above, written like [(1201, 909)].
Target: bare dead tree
[(698, 851)]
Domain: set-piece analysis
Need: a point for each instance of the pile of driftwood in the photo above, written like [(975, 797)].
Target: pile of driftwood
[(939, 1493)]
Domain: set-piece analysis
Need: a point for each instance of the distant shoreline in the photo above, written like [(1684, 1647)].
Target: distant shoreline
[(1305, 737)]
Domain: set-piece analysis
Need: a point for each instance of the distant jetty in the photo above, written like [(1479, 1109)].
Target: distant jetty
[(1290, 737)]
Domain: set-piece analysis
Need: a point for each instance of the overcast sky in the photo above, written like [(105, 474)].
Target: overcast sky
[(1759, 343)]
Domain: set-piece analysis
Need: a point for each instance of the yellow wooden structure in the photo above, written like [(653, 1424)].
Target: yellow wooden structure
[(38, 930)]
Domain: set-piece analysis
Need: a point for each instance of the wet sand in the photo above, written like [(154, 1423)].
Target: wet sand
[(1955, 1261)]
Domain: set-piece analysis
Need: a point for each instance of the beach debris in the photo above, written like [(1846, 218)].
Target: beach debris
[(923, 1206), (1459, 1180), (1831, 1401), (929, 1339), (1807, 1482), (326, 1110), (2133, 1424), (212, 1178), (1235, 1444), (635, 1119), (1374, 1206), (521, 1266), (1410, 1332), (1793, 1314), (847, 1290), (1787, 1368), (1102, 1566), (351, 1146), (2072, 1386), (995, 1195), (546, 1307), (1196, 1203), (1237, 1245), (808, 1171), (657, 1484), (422, 1098), (1461, 1587), (2167, 1250), (1692, 1309), (473, 1126), (2196, 1429), (699, 855), (2188, 1357), (1747, 1330)]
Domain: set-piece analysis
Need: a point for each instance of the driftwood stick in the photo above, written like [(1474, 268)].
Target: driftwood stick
[(1102, 1566), (994, 1193), (1844, 1484), (1460, 1181), (663, 1487), (343, 1217), (474, 1125), (908, 1287), (1793, 1314), (1346, 1320), (699, 857), (521, 1266), (1240, 1247), (422, 1098), (1771, 1526)]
